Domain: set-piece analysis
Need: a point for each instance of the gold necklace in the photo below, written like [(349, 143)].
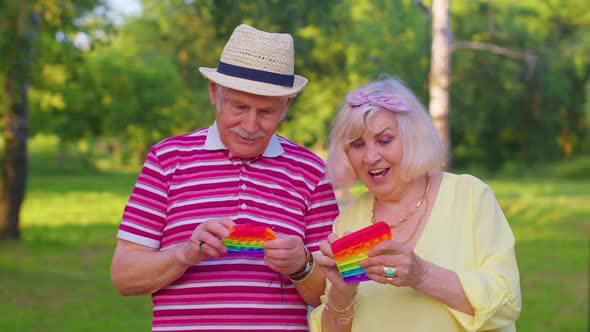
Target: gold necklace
[(424, 197)]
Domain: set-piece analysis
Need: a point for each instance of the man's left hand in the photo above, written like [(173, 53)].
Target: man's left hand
[(285, 254)]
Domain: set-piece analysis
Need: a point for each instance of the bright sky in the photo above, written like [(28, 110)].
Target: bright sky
[(119, 10), (125, 7)]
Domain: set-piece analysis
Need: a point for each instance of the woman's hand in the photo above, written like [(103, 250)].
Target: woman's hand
[(328, 264), (410, 269)]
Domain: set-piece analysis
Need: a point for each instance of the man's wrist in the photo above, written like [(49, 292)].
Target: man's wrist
[(305, 270)]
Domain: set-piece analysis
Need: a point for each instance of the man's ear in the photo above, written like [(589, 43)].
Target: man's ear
[(213, 90), (289, 101)]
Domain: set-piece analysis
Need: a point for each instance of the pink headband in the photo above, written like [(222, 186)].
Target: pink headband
[(385, 101)]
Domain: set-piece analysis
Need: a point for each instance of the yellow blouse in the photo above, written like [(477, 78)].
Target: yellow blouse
[(467, 233)]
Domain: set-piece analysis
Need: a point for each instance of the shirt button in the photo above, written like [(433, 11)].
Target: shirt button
[(244, 206), (243, 186)]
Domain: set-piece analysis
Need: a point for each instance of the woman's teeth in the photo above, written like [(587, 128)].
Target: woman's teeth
[(378, 172)]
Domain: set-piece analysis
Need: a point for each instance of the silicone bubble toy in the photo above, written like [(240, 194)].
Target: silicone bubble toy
[(352, 248), (248, 239)]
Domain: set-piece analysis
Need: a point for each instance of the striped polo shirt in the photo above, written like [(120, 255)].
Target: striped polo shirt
[(189, 179)]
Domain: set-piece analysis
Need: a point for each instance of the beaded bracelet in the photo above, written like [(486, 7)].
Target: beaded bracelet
[(304, 276), (307, 268)]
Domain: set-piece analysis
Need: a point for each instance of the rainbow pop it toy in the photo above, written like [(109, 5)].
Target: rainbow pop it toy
[(247, 239), (352, 248)]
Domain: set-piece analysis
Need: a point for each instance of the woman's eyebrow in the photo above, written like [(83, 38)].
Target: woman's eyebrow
[(382, 131)]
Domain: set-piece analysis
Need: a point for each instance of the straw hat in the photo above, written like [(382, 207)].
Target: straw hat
[(257, 62)]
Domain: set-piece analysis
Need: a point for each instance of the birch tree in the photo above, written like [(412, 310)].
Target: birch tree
[(440, 69)]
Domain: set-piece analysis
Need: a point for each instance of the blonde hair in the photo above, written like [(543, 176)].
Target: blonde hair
[(423, 151)]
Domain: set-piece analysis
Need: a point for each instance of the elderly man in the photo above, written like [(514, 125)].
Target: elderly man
[(194, 187)]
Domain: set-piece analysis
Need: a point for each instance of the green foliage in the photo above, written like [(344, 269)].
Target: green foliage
[(520, 110), (135, 92), (139, 82)]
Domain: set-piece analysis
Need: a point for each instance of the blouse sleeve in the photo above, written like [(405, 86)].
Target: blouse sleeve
[(315, 317), (493, 288)]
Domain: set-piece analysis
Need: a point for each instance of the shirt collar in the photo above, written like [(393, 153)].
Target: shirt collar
[(213, 142)]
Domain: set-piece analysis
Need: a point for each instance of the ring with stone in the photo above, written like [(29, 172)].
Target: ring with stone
[(201, 244), (388, 271)]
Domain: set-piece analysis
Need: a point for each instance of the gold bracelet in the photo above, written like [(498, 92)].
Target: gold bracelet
[(348, 307), (351, 308), (342, 320)]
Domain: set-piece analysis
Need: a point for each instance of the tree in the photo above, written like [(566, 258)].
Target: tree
[(23, 21), (23, 24), (440, 64)]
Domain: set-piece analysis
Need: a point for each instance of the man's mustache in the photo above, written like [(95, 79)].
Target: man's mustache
[(245, 135)]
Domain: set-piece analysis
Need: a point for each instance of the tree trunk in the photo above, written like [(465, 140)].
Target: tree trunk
[(440, 63), (14, 173)]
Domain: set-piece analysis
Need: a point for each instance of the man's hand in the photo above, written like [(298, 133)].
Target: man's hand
[(206, 241), (286, 254)]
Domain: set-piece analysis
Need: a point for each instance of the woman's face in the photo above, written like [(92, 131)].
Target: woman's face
[(376, 156)]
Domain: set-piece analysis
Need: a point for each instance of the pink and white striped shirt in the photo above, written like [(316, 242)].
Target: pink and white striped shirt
[(192, 178)]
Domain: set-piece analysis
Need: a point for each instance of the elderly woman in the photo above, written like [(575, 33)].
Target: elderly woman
[(451, 264)]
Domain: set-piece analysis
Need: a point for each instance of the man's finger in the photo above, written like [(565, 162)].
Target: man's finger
[(227, 222), (219, 229), (283, 242)]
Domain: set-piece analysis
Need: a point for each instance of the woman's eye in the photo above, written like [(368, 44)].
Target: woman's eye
[(357, 144), (385, 141)]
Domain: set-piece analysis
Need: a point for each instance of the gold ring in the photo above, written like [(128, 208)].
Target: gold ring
[(201, 244), (388, 272)]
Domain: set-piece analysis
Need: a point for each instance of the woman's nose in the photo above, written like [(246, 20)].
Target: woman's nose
[(371, 156)]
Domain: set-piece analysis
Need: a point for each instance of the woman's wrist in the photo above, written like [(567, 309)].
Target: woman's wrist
[(341, 298), (341, 308)]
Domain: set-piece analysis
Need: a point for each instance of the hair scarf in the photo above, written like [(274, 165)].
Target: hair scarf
[(385, 101)]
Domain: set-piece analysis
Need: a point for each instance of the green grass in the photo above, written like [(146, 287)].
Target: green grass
[(551, 223), (57, 277)]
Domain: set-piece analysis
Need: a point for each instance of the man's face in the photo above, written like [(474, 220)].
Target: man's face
[(245, 121)]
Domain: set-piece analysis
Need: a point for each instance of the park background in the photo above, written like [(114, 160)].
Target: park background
[(102, 87)]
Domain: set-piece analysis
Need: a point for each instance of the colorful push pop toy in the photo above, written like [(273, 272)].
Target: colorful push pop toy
[(247, 239), (352, 248)]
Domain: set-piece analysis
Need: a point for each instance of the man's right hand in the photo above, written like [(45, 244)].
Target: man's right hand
[(206, 241)]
